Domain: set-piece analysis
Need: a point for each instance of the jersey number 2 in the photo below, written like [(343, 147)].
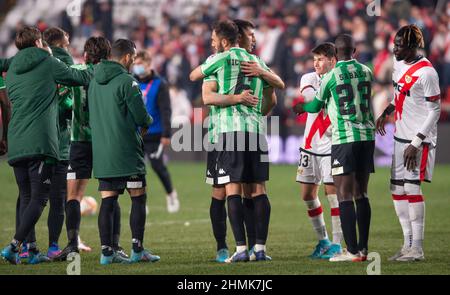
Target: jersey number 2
[(346, 101)]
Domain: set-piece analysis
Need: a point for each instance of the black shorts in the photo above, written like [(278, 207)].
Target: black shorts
[(80, 160), (211, 165), (242, 157), (153, 147), (121, 183), (352, 157)]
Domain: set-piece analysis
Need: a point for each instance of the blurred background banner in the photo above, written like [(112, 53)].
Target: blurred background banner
[(177, 35)]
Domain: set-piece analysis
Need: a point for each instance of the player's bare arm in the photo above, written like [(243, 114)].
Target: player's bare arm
[(196, 74), (381, 121), (211, 97), (253, 69), (434, 111), (269, 100)]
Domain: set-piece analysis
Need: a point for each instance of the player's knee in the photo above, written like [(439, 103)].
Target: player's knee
[(412, 189), (308, 196)]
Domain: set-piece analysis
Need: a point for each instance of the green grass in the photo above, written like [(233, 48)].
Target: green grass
[(191, 249)]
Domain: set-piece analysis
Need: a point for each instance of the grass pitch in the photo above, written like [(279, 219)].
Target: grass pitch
[(186, 244)]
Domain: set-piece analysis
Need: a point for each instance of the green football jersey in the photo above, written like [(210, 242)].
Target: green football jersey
[(225, 68), (346, 92), (81, 131)]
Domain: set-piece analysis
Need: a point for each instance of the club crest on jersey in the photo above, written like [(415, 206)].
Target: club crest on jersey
[(408, 79)]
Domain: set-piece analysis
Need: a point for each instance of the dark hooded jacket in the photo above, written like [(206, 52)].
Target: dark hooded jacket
[(116, 111), (32, 82)]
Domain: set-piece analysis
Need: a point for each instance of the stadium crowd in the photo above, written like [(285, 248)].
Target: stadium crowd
[(286, 32)]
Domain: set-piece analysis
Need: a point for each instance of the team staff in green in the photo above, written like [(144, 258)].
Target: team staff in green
[(345, 92), (116, 111), (33, 145), (80, 162), (58, 40)]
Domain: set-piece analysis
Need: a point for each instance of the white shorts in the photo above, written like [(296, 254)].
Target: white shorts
[(314, 169), (425, 159)]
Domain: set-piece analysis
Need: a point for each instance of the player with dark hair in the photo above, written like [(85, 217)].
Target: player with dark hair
[(417, 108), (115, 111), (156, 98), (232, 127), (33, 146), (213, 100), (314, 166), (80, 155), (345, 91)]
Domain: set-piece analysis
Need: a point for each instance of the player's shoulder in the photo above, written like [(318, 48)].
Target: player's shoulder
[(429, 69), (309, 79), (218, 56)]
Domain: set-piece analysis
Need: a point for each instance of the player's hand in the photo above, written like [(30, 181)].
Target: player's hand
[(381, 121), (165, 141), (143, 131), (3, 147), (251, 69), (247, 98), (298, 108), (409, 157)]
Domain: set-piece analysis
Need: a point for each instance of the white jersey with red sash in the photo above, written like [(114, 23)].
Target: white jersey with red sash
[(317, 135), (414, 85)]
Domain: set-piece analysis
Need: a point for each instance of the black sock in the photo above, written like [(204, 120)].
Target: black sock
[(73, 218), (29, 218), (137, 221), (262, 218), (105, 222), (348, 223), (218, 215), (17, 213), (55, 219), (236, 216), (116, 228), (249, 220), (363, 215)]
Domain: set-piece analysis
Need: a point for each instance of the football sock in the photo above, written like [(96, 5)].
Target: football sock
[(249, 221), (116, 227), (106, 222), (335, 219), (73, 221), (417, 216), (57, 200), (348, 222), (401, 205), (236, 216), (29, 218), (315, 213), (137, 221), (218, 215), (262, 217), (363, 215)]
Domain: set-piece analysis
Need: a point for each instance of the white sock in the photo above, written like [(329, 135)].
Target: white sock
[(240, 249), (315, 213), (417, 216), (335, 219), (259, 247), (401, 205)]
